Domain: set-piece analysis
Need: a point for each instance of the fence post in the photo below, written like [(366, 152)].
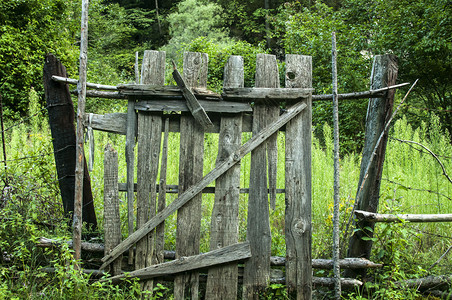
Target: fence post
[(190, 171), (222, 281), (112, 222), (298, 183), (61, 121), (384, 73), (149, 141), (257, 269)]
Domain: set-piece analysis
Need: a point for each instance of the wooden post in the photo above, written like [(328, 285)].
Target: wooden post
[(112, 221), (79, 150), (149, 142), (61, 121), (384, 73), (336, 249), (257, 269), (298, 183), (190, 172), (222, 281)]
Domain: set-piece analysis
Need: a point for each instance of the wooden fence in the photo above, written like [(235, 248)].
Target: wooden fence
[(230, 115)]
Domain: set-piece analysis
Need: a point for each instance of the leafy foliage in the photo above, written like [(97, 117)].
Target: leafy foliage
[(29, 30)]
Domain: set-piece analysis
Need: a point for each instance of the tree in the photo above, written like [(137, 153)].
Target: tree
[(28, 30), (420, 34), (307, 30)]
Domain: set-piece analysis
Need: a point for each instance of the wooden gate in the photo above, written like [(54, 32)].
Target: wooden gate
[(263, 110)]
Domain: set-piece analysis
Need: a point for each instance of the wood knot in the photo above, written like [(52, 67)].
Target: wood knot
[(299, 227)]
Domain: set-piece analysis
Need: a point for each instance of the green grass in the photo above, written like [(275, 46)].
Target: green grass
[(413, 183)]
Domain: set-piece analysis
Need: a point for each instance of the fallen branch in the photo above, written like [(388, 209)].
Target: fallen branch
[(439, 259), (419, 218), (429, 282)]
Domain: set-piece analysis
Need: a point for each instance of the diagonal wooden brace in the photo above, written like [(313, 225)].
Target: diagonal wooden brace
[(234, 158), (195, 108)]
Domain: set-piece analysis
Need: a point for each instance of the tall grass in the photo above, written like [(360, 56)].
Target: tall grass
[(413, 182)]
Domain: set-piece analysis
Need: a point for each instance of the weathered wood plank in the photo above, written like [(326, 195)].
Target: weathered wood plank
[(384, 73), (117, 123), (181, 105), (174, 189), (197, 188), (421, 218), (61, 122), (149, 142), (298, 183), (192, 103), (222, 280), (273, 93), (160, 230), (257, 269), (223, 255), (131, 128), (112, 221), (190, 171)]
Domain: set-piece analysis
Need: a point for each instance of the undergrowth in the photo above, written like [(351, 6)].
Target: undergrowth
[(30, 207)]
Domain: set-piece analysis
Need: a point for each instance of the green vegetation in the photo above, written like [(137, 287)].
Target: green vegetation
[(419, 33)]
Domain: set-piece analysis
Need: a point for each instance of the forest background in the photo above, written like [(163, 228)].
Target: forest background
[(419, 33)]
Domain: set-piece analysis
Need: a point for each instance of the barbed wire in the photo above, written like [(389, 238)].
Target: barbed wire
[(416, 189)]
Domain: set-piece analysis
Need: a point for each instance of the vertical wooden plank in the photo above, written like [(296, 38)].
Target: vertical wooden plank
[(112, 222), (257, 268), (298, 183), (222, 281), (149, 142), (266, 78), (384, 73), (190, 171), (160, 229)]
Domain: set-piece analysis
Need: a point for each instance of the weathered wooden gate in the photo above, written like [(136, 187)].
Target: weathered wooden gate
[(263, 110)]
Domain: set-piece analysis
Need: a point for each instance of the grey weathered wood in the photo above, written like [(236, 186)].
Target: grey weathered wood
[(131, 124), (298, 183), (420, 218), (197, 188), (222, 280), (158, 92), (79, 147), (190, 171), (208, 106), (257, 268), (193, 105), (275, 94), (235, 252), (174, 189), (116, 123), (112, 221), (160, 230), (149, 142), (384, 73)]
